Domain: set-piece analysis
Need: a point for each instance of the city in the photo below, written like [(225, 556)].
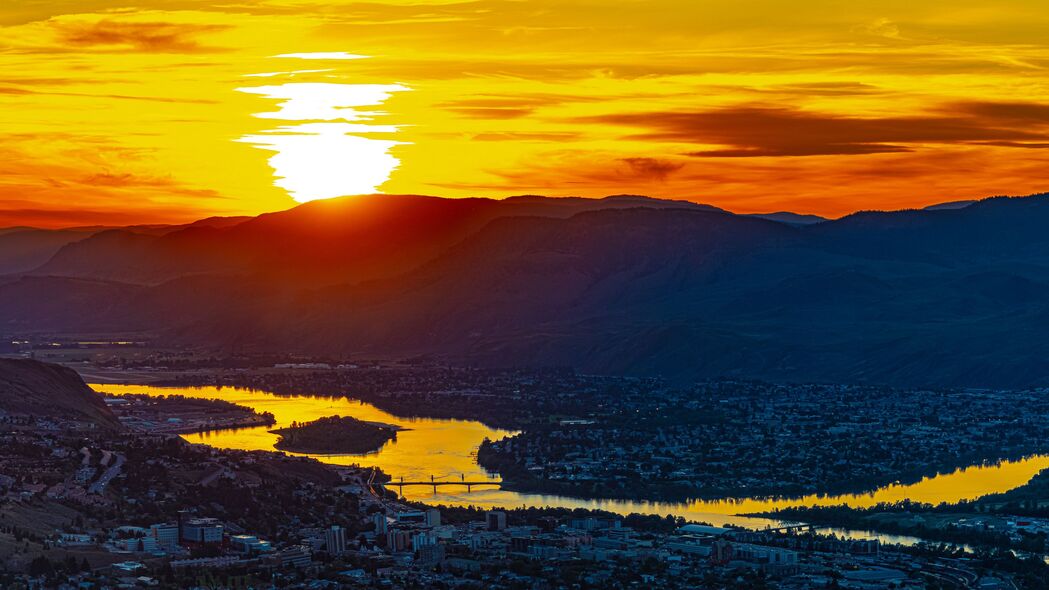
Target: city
[(524, 295), (85, 502)]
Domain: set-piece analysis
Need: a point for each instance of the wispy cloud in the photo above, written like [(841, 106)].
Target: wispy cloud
[(762, 131), (111, 34)]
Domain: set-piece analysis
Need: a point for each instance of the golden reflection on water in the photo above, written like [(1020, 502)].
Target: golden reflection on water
[(447, 449), (443, 448)]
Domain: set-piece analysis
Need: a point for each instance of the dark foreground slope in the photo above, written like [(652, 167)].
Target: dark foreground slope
[(944, 297), (29, 387)]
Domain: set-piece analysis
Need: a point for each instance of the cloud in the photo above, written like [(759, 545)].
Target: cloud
[(525, 136), (492, 112), (1021, 112), (78, 217), (15, 91), (159, 37), (881, 27), (652, 168), (823, 89), (496, 106), (578, 168), (752, 131)]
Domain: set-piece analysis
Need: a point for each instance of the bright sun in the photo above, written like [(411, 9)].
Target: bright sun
[(328, 151)]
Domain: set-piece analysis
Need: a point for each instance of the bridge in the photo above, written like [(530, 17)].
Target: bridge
[(434, 483)]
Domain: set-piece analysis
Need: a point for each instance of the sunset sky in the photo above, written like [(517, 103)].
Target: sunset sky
[(166, 111)]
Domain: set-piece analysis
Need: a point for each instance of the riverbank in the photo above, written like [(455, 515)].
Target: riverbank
[(1017, 519), (950, 524), (447, 449), (183, 415), (600, 438)]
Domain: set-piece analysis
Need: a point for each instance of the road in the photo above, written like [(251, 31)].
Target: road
[(114, 470)]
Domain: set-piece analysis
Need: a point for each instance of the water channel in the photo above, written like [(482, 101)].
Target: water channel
[(446, 449)]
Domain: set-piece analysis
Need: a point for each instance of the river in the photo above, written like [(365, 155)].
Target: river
[(447, 450)]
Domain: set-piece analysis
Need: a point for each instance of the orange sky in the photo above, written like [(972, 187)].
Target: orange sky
[(180, 109)]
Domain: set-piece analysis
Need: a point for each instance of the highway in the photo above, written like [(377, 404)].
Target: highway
[(114, 470)]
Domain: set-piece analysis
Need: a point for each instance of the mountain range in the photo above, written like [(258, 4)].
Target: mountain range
[(954, 295)]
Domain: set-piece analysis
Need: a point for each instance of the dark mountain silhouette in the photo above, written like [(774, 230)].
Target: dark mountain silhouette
[(940, 297), (46, 390), (321, 242)]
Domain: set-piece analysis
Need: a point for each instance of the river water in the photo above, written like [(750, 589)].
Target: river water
[(447, 450)]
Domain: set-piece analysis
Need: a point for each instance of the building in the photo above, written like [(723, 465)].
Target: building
[(398, 540), (422, 539), (414, 516), (702, 529), (128, 566), (206, 562), (381, 524), (771, 559), (429, 555), (496, 520), (699, 545), (295, 557), (335, 540), (166, 535), (721, 552), (593, 524), (865, 547), (74, 539), (249, 545), (433, 517), (202, 530)]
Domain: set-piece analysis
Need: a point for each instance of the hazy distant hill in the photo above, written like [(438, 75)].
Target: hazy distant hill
[(47, 390), (23, 249), (948, 297), (790, 218), (949, 205)]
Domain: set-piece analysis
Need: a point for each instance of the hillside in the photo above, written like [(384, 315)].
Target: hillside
[(48, 390), (929, 297)]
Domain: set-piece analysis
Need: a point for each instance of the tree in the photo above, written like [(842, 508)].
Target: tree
[(41, 566)]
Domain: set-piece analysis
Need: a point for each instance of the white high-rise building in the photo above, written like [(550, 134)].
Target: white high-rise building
[(335, 537), (381, 524), (496, 520), (166, 535)]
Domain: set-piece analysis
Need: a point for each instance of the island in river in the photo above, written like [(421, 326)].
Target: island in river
[(335, 435)]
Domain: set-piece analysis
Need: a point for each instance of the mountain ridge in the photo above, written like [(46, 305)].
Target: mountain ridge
[(687, 293)]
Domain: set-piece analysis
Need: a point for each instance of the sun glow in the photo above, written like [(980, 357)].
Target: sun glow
[(331, 153), (773, 105)]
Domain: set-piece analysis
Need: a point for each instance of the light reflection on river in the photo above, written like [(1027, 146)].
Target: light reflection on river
[(447, 449)]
